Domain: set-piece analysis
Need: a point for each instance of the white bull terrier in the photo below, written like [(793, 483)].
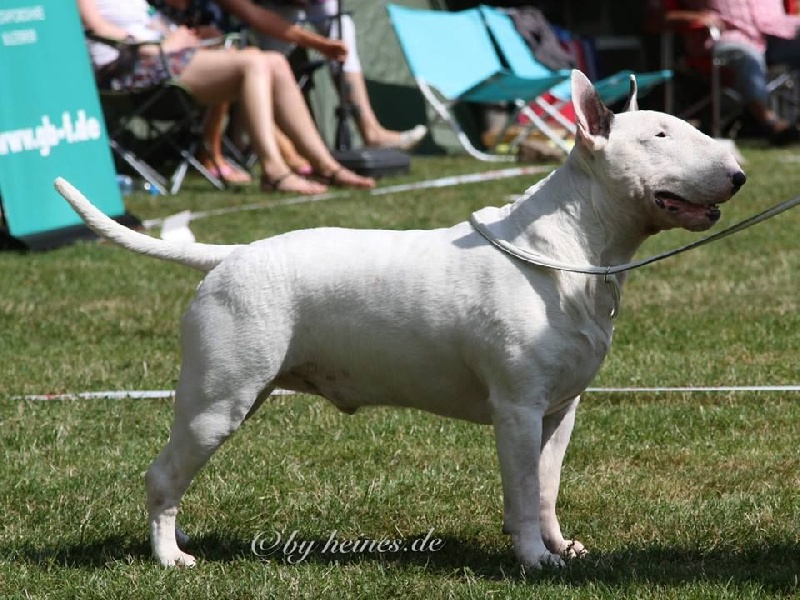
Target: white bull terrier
[(437, 320)]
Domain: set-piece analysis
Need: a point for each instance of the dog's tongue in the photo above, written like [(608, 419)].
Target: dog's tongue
[(674, 205)]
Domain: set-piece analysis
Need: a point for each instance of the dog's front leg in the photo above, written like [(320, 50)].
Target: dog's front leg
[(518, 436), (556, 431)]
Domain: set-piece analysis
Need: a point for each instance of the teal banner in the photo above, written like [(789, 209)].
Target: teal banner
[(51, 123)]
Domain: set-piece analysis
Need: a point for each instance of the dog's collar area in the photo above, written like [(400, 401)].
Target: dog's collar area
[(609, 277), (609, 272)]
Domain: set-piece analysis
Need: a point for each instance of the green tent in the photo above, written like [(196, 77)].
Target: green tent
[(395, 97)]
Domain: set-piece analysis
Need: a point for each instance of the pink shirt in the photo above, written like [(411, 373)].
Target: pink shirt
[(750, 21)]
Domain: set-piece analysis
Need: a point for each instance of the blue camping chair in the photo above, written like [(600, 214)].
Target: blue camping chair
[(523, 63), (452, 58)]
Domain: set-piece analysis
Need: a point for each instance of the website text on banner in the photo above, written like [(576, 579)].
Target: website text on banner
[(51, 123)]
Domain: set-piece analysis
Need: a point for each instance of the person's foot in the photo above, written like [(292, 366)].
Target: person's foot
[(292, 182), (785, 135), (301, 167), (222, 169), (342, 177), (402, 140)]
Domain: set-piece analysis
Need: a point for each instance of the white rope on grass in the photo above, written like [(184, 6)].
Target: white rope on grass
[(693, 389), (394, 189), (121, 395), (165, 394)]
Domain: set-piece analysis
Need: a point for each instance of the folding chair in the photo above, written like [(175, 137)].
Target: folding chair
[(160, 124), (522, 62), (452, 59)]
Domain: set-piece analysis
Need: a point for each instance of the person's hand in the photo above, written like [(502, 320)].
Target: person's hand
[(709, 19), (207, 32), (333, 50), (180, 39)]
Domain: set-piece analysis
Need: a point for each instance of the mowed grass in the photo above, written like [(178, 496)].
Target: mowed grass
[(676, 495)]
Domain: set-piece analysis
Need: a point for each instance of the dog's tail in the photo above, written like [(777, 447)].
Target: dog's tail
[(203, 257)]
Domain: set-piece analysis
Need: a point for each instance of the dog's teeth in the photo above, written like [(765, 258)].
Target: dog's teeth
[(659, 202)]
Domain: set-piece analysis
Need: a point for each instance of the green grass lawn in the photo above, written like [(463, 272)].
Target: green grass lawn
[(675, 495)]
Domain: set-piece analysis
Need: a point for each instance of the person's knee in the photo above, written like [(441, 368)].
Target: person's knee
[(277, 64), (265, 62)]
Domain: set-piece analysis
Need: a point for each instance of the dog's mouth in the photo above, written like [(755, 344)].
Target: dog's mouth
[(675, 204)]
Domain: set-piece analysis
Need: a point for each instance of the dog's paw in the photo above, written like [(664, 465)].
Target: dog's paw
[(177, 559), (536, 556), (573, 549), (566, 549), (546, 560)]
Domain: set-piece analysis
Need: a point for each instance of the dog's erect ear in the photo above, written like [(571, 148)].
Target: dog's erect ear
[(632, 103), (593, 119)]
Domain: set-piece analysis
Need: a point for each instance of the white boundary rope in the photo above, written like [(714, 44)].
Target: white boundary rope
[(119, 395), (418, 185), (166, 394), (693, 389)]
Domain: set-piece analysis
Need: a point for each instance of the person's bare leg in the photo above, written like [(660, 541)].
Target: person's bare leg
[(780, 132), (296, 163), (294, 119), (372, 132), (215, 76), (210, 153)]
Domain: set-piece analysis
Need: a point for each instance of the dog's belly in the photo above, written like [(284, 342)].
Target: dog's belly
[(362, 381)]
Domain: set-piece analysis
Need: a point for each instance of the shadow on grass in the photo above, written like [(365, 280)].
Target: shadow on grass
[(773, 567)]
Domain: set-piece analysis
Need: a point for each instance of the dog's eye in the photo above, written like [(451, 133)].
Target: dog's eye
[(661, 134)]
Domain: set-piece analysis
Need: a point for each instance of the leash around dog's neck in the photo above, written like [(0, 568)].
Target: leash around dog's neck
[(609, 272)]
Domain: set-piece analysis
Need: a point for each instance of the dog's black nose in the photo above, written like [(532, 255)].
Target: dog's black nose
[(738, 180)]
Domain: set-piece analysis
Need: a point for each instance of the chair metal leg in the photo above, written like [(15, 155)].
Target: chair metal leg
[(540, 124), (667, 53), (145, 171), (716, 98), (445, 115)]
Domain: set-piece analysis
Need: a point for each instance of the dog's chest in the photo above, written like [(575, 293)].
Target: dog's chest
[(568, 338)]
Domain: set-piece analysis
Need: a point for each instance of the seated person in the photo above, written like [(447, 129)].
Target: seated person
[(752, 35), (319, 13), (261, 81), (207, 18)]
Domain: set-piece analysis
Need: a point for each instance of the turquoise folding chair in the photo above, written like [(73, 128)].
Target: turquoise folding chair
[(523, 63), (452, 58)]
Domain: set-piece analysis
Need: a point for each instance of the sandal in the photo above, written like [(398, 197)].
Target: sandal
[(306, 187), (342, 177)]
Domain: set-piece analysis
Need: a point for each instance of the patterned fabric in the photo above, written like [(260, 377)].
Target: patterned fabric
[(750, 21), (150, 71)]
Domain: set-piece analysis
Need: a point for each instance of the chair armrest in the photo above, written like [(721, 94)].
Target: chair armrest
[(128, 48), (119, 44), (691, 27)]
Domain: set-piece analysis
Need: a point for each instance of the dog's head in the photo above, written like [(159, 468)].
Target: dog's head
[(654, 164)]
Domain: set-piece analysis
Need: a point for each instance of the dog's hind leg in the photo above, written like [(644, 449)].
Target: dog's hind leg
[(224, 375), (556, 432), (194, 438), (181, 537)]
